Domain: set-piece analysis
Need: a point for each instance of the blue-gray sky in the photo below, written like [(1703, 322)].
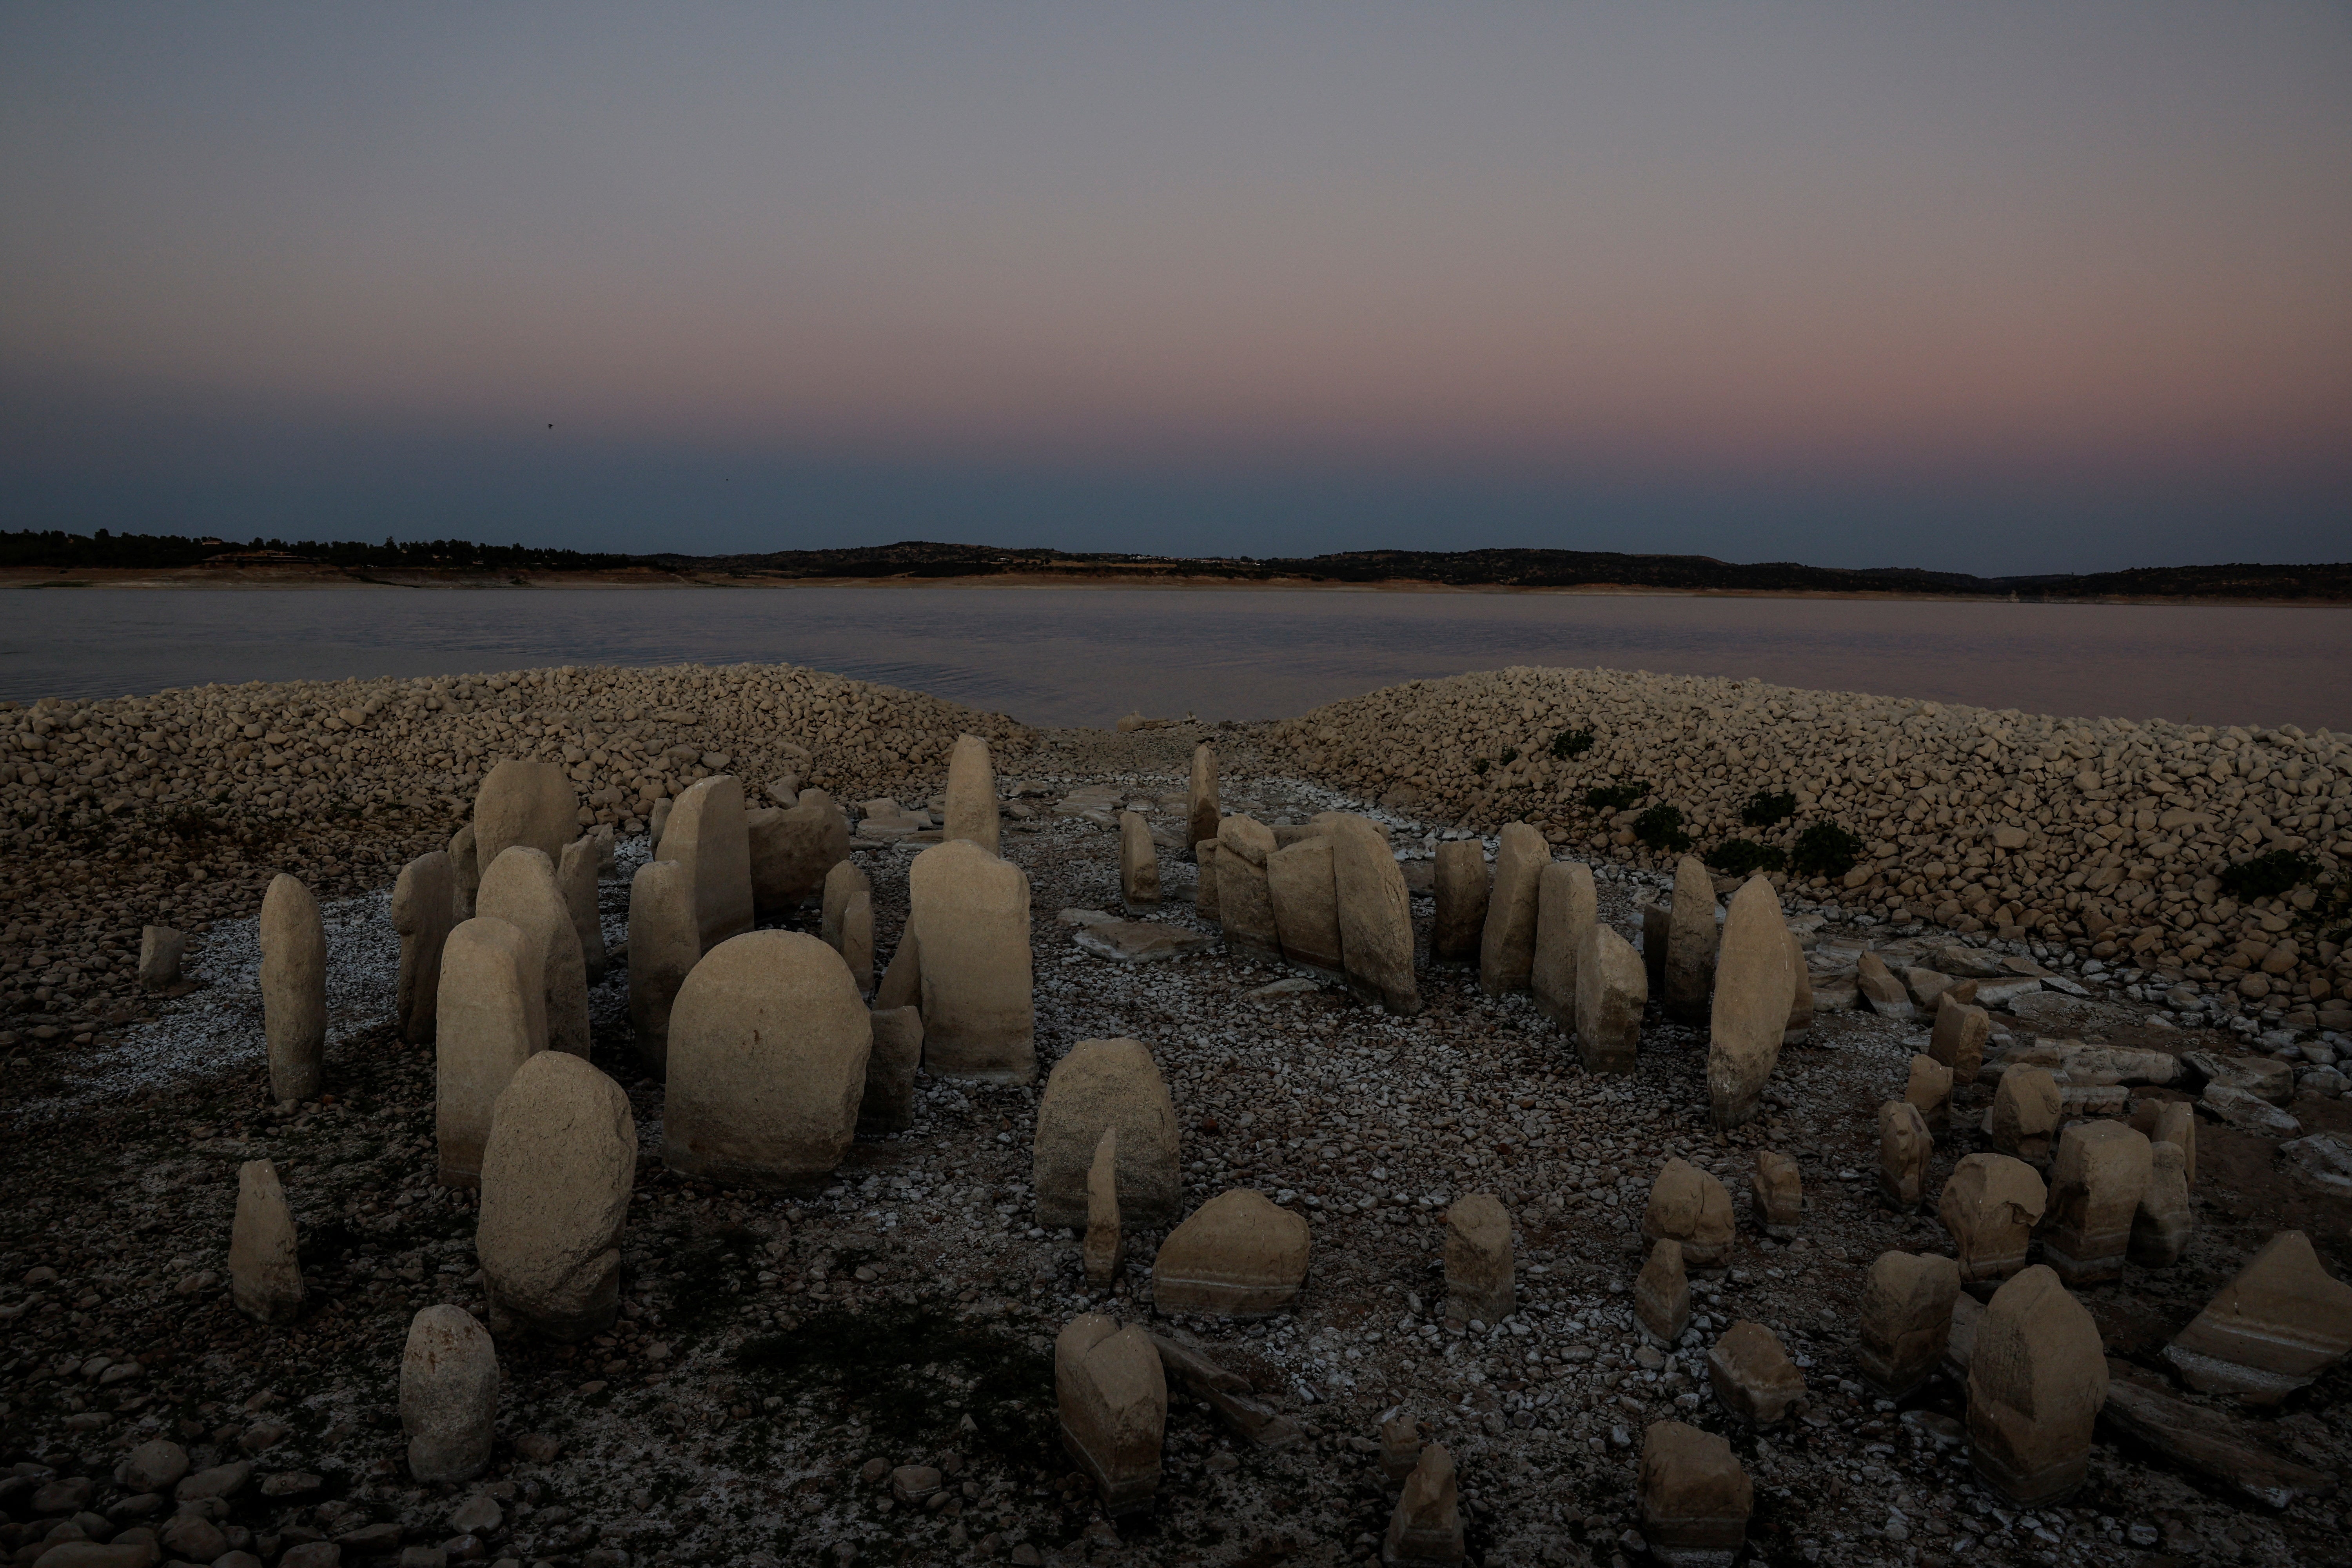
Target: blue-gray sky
[(1999, 288)]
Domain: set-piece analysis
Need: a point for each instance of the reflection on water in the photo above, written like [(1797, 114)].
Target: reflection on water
[(1083, 656)]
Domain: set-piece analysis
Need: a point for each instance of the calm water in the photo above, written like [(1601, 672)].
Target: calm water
[(1081, 655)]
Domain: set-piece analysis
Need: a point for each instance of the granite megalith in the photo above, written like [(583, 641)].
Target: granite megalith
[(1107, 1084), (293, 990), (969, 910), (423, 911), (557, 1174)]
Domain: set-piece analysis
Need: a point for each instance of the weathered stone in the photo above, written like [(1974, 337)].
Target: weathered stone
[(1105, 1252), (1907, 1319), (154, 1466), (1461, 884), (1886, 995), (1967, 1313), (1113, 1400), (1304, 892), (294, 990), (1425, 1528), (2096, 1182), (793, 849), (1236, 1256), (768, 1045), (971, 912), (575, 876), (2275, 1328), (1480, 1280), (1752, 1376), (1799, 1025), (2037, 1376), (1139, 862), (1228, 1393), (1245, 903), (1750, 1008), (657, 823), (1662, 1305), (161, 951), (665, 942), (464, 859), (2171, 1122), (1691, 937), (901, 985), (888, 1104), (1400, 1445), (972, 812), (1959, 1038), (491, 1023), (424, 909), (843, 882), (708, 836), (1690, 1206), (1612, 990), (2264, 1078), (1506, 944), (1201, 804), (1100, 1084), (557, 1173), (1657, 933), (448, 1394), (1929, 1090), (1375, 917), (2194, 1437), (529, 803), (2025, 1113), (1778, 1195), (520, 887), (857, 939), (1905, 1148), (2248, 1112), (1696, 1498), (2163, 1222), (264, 1270), (1991, 1205), (1567, 907), (1140, 941), (1205, 885)]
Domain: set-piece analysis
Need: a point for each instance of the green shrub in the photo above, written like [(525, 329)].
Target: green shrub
[(1766, 807), (1660, 827), (1615, 797), (1745, 857), (1824, 849), (1572, 744), (2268, 876)]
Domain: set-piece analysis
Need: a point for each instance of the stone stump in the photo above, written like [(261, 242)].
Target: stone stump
[(1201, 804), (1690, 1206), (2163, 1222), (793, 849), (1460, 923), (2025, 1113), (557, 1173), (1959, 1038), (1480, 1280), (2171, 1122), (1612, 990), (1990, 1205), (1138, 863), (1929, 1090), (1425, 1527), (264, 1270), (1752, 1376), (1506, 944), (1779, 1196), (2096, 1182), (1749, 1010), (160, 950), (294, 990), (519, 888), (1375, 918), (466, 861), (576, 876), (1112, 1397), (706, 835), (527, 804), (1567, 907), (1107, 1084), (2279, 1326), (971, 912), (1304, 889), (424, 909), (1662, 1305), (1691, 936), (448, 1394), (665, 942), (1245, 903), (1236, 1256), (1906, 1317), (1696, 1498), (845, 881), (1104, 1253), (2037, 1377), (491, 1023), (972, 814), (1903, 1150), (889, 1103)]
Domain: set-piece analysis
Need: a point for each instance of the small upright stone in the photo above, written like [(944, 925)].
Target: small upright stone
[(972, 812), (1480, 1280), (1460, 923), (490, 1024), (1245, 904), (1103, 1084), (520, 887), (557, 1173), (161, 949), (1139, 862), (1612, 990), (294, 990), (1201, 804), (448, 1394), (1800, 1025), (1930, 1090), (2171, 1122), (793, 849), (1204, 882), (843, 882), (1375, 917), (466, 861), (857, 939), (1236, 1256), (2025, 1113), (2279, 1326), (423, 911), (1567, 907), (1662, 1294), (576, 876), (901, 985), (1691, 937), (1112, 1394), (1657, 927), (1507, 945), (1401, 1447), (1425, 1529), (1887, 995), (889, 1105), (1906, 1317), (1959, 1038), (1904, 1150), (706, 833), (1752, 1376), (664, 944), (1105, 1253), (2096, 1182), (1750, 1008), (1696, 1498), (2163, 1222), (1779, 1196), (1990, 1205), (1304, 892), (969, 910), (2037, 1377), (1689, 1205), (529, 803), (265, 1271)]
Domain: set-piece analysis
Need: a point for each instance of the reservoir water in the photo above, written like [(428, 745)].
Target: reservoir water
[(1083, 656)]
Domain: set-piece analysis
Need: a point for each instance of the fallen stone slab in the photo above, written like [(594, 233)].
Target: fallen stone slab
[(2263, 1077), (2203, 1442), (2323, 1159), (1229, 1393), (2248, 1113), (1140, 942), (2280, 1324)]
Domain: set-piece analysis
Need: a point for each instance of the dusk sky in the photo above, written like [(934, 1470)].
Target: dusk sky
[(2000, 287)]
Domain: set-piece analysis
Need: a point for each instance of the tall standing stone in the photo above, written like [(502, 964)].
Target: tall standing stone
[(1236, 1256), (1959, 1038), (264, 1269), (1201, 803), (792, 848), (1696, 1498), (1139, 862), (529, 803), (1750, 1008), (576, 876), (2163, 1222), (1929, 1088), (1691, 937), (1375, 917), (492, 1021), (1991, 1205), (466, 862), (971, 912), (1462, 888), (1661, 1294), (971, 794), (2025, 1113), (557, 1173), (768, 1045), (1425, 1527), (1304, 892), (1904, 1150), (1245, 904), (1799, 1026), (1612, 990), (1481, 1282), (2096, 1182), (2037, 1377), (1566, 906), (448, 1394), (2279, 1326), (1105, 1251), (1907, 1316), (1107, 1084), (889, 1103), (1112, 1396), (519, 888), (664, 942), (293, 990), (424, 909), (1690, 1206), (708, 836), (1779, 1196), (1506, 947)]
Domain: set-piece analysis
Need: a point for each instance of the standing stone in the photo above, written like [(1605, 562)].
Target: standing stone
[(2163, 1222), (1611, 992), (448, 1394), (2171, 1122), (1930, 1090), (424, 909), (1689, 1205), (2025, 1113), (768, 1045), (1799, 1026), (1139, 862), (519, 888), (2279, 1326), (1506, 946), (1696, 1498), (658, 823), (265, 1271), (1375, 917), (1425, 1529), (857, 939), (889, 1103), (1107, 1084), (575, 876), (2037, 1376), (2096, 1182), (901, 985), (1691, 936), (1460, 923), (1959, 1040), (294, 990), (1236, 1256), (1304, 891), (1991, 1205), (1904, 1150), (491, 1023), (1113, 1400), (664, 944), (1750, 1008), (1878, 985), (971, 912), (1752, 1376), (1779, 1196), (1658, 927), (792, 848), (843, 882), (1480, 1282), (556, 1179), (1201, 804), (1401, 1447), (529, 803), (1245, 904), (708, 836), (1662, 1294), (1906, 1317), (466, 861), (1566, 906), (1204, 884), (1105, 1253), (972, 811), (161, 949)]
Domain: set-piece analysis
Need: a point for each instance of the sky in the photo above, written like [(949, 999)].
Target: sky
[(1997, 288)]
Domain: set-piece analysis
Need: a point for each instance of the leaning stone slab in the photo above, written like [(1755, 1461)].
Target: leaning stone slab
[(665, 942), (1204, 882), (424, 909), (1463, 885), (768, 1045), (1140, 941), (1991, 1205), (1906, 1320), (1662, 1305), (2282, 1322), (1507, 945), (1690, 1206), (2248, 1112), (557, 1173), (448, 1394), (1304, 891), (265, 1271), (1236, 1256), (1930, 1090), (520, 887), (1228, 1393), (1696, 1498), (1904, 1150), (1612, 990), (1480, 1280), (971, 913), (1245, 903), (491, 1023), (1749, 1011), (706, 835), (1104, 1252), (1752, 1376), (2096, 1181), (972, 812), (1103, 1084), (1375, 917), (529, 803), (2025, 1112), (293, 990), (2037, 1376), (1425, 1527), (1691, 935), (1567, 907), (1113, 1401), (1798, 1027), (1887, 995), (889, 1103), (857, 939), (901, 985)]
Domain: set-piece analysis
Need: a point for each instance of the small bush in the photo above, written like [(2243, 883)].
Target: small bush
[(2268, 876), (1660, 827), (1766, 807), (1572, 744), (1745, 857), (1615, 797), (1824, 849)]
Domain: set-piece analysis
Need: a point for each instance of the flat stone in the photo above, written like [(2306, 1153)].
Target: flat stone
[(1140, 941), (2277, 1327)]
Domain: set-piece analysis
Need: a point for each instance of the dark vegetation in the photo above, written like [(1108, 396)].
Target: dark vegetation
[(154, 551), (1824, 849)]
